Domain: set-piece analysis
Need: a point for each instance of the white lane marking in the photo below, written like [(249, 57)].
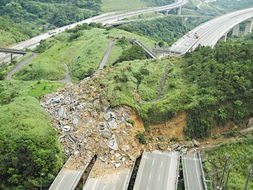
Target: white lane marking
[(197, 172), (127, 179), (79, 177), (170, 171), (150, 176), (64, 174), (96, 182), (138, 178), (159, 177), (153, 162), (187, 179), (161, 165)]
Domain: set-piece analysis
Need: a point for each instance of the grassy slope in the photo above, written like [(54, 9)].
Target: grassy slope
[(129, 85), (83, 54), (241, 156), (11, 33), (112, 5), (192, 84), (23, 120), (231, 5), (119, 5)]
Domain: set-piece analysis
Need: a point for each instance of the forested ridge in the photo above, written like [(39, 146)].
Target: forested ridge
[(44, 12), (23, 19), (167, 29)]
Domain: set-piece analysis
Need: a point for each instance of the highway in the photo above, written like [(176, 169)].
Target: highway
[(209, 33), (158, 170), (192, 172), (68, 178), (114, 181), (114, 18), (103, 18)]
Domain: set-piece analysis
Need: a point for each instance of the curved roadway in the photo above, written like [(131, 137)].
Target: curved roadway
[(210, 32), (104, 19)]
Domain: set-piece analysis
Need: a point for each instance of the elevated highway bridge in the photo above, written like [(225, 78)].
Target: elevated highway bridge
[(209, 33)]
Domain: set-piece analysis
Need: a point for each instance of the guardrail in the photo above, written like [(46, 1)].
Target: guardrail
[(147, 50), (13, 51), (203, 179)]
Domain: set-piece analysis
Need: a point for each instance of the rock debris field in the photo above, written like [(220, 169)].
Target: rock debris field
[(88, 125)]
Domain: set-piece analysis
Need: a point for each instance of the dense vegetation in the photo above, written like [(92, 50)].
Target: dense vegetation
[(167, 29), (213, 86), (44, 12), (24, 19), (116, 5), (11, 33), (29, 149), (239, 157), (231, 5)]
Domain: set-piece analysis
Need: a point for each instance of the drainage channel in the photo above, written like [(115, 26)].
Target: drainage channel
[(180, 185), (134, 173), (86, 173)]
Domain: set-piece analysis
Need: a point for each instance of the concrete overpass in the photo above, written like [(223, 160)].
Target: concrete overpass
[(194, 177), (119, 180), (144, 47), (158, 170), (70, 175), (209, 33), (12, 51)]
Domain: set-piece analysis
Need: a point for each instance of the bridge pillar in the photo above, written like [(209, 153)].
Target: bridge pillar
[(11, 57), (236, 30), (248, 27), (179, 11), (224, 38)]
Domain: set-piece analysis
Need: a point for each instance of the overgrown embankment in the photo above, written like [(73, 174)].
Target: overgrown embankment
[(30, 154), (214, 86)]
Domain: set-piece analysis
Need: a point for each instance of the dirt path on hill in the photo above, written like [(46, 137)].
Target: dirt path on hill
[(106, 55), (19, 66), (67, 79)]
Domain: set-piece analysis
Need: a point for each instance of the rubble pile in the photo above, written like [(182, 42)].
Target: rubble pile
[(88, 125)]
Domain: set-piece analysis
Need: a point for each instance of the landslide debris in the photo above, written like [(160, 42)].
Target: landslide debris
[(88, 125)]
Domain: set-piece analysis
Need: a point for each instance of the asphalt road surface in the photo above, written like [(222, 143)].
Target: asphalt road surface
[(68, 178), (158, 170), (20, 66), (67, 78), (104, 19), (192, 172), (114, 181), (209, 33)]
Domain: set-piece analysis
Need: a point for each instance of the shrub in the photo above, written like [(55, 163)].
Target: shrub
[(141, 138)]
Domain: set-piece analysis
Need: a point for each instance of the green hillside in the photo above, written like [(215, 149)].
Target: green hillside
[(213, 86), (240, 156), (11, 33), (119, 5), (28, 143), (166, 29), (81, 48)]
